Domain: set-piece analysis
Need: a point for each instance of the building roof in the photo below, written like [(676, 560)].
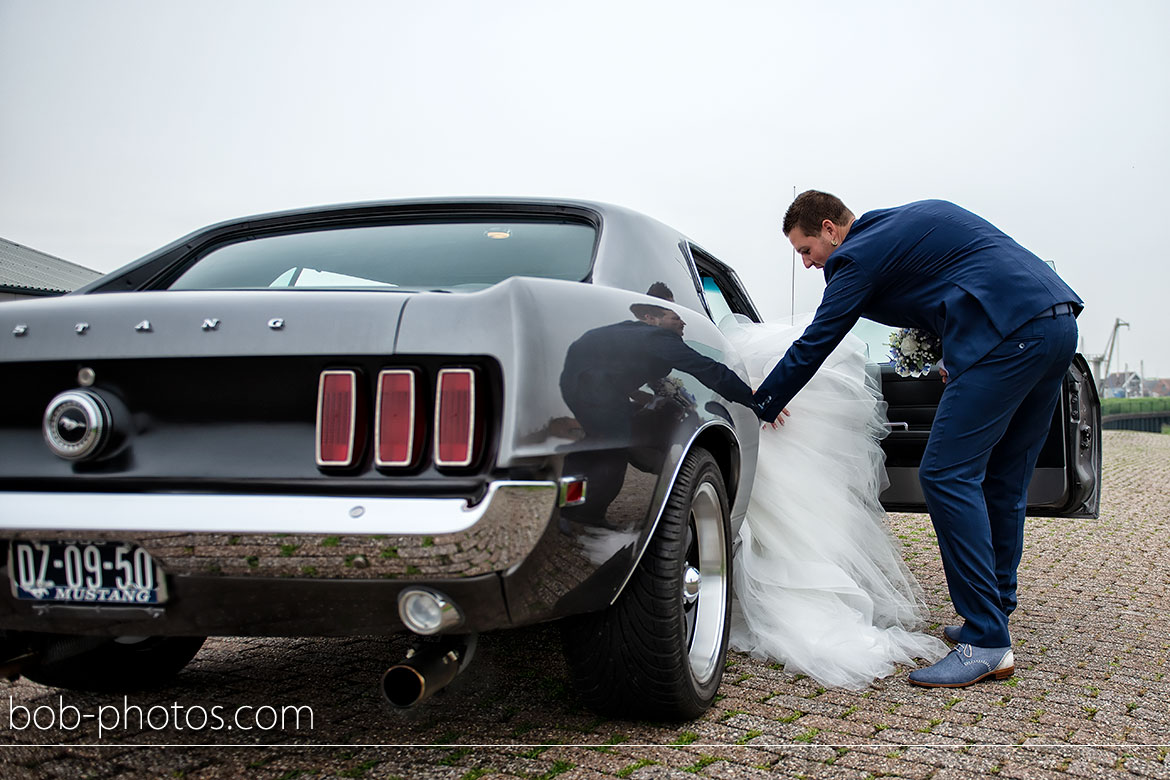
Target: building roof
[(36, 273), (1120, 378), (1157, 387)]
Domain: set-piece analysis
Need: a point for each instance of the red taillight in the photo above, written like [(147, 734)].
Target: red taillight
[(394, 422), (455, 417), (336, 418)]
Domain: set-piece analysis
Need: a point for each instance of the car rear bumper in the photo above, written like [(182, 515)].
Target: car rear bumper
[(285, 565), (313, 537)]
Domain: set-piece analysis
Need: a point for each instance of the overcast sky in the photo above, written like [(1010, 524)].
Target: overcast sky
[(124, 125)]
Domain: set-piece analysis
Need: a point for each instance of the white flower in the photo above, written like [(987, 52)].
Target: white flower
[(914, 351)]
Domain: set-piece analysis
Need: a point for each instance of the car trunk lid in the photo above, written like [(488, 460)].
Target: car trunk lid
[(201, 324)]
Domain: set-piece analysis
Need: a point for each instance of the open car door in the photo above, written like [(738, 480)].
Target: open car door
[(1067, 480)]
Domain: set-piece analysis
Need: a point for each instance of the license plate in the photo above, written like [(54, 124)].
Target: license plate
[(84, 572)]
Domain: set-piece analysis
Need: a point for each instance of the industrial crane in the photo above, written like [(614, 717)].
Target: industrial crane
[(1107, 358)]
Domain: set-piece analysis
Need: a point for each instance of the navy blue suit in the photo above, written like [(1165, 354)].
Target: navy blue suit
[(936, 266)]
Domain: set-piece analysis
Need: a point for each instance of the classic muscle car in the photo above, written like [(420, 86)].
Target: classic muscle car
[(442, 417)]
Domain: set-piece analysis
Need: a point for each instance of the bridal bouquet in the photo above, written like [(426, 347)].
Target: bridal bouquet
[(671, 389), (914, 351)]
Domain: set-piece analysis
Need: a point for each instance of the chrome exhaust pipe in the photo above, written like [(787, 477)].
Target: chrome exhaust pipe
[(427, 669)]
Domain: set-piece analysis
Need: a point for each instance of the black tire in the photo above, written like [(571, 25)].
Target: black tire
[(121, 665), (658, 652)]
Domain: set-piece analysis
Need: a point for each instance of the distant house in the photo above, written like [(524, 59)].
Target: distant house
[(1128, 384), (27, 273), (1122, 384), (1159, 388)]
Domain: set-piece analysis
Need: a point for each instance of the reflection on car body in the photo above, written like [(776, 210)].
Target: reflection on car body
[(617, 382)]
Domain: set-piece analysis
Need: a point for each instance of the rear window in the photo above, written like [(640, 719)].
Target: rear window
[(449, 256)]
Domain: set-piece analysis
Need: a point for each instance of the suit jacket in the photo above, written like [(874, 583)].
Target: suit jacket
[(929, 265)]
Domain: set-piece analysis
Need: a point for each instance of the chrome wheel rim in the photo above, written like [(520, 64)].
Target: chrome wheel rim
[(705, 614)]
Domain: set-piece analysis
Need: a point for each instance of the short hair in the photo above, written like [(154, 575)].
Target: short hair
[(641, 310), (660, 290), (810, 210)]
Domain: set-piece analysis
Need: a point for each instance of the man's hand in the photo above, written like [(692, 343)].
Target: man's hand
[(760, 402), (779, 418), (943, 373)]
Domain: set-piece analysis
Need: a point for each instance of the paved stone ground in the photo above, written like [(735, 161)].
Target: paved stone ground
[(1090, 697)]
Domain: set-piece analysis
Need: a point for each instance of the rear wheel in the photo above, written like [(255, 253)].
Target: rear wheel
[(658, 652), (125, 663)]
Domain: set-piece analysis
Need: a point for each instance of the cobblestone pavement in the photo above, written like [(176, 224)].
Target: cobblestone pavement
[(1090, 697)]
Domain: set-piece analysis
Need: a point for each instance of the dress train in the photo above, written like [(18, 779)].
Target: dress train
[(819, 579)]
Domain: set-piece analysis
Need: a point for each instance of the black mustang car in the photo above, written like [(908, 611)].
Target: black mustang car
[(442, 417)]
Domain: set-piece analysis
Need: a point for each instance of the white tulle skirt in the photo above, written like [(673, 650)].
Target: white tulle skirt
[(819, 578)]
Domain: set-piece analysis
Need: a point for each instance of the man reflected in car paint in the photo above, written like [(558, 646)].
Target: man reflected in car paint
[(602, 382)]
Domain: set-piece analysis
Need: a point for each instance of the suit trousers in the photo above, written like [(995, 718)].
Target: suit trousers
[(990, 426)]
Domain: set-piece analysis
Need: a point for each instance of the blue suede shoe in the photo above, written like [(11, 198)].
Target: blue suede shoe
[(967, 665)]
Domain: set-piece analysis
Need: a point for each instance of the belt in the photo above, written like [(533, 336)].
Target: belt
[(1055, 311)]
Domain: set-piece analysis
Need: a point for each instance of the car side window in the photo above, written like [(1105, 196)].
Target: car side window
[(716, 301), (722, 291)]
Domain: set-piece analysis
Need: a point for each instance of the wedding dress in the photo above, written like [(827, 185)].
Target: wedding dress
[(819, 579)]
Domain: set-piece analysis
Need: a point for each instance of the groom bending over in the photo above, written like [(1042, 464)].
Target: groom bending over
[(1008, 333)]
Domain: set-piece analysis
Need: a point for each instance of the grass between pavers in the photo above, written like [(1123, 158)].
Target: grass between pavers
[(629, 769), (813, 761)]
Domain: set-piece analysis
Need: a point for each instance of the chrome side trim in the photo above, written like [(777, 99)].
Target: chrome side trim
[(670, 488)]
